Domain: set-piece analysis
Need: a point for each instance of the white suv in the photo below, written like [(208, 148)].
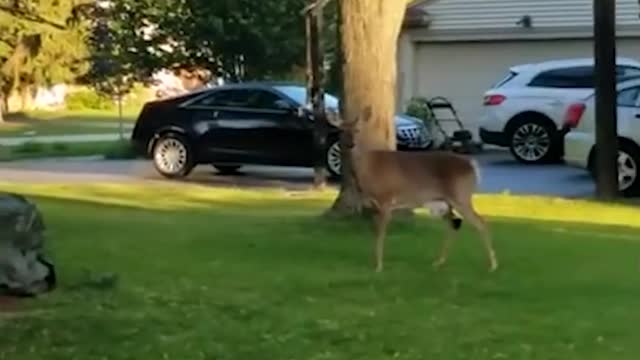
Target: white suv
[(525, 110)]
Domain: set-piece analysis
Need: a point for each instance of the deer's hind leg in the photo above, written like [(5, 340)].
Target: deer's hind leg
[(465, 208), (453, 224)]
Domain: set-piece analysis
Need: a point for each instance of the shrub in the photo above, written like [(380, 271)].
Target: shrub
[(418, 108), (121, 150), (29, 148), (88, 100)]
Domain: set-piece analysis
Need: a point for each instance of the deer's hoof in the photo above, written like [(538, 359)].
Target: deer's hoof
[(438, 264), (493, 268)]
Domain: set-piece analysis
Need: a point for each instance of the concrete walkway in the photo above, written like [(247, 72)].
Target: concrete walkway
[(53, 139)]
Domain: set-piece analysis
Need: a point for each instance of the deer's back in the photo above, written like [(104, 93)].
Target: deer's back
[(414, 176)]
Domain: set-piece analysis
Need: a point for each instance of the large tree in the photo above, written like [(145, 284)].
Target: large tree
[(39, 45), (369, 31), (243, 39)]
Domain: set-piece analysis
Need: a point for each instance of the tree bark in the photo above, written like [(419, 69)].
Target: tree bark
[(369, 31)]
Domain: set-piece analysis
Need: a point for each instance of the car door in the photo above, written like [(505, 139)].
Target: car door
[(220, 118), (629, 111), (279, 134)]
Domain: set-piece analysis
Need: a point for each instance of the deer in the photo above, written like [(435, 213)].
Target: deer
[(441, 181)]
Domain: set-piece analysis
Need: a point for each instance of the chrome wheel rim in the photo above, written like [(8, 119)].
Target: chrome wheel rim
[(531, 142), (334, 158), (171, 156), (627, 170)]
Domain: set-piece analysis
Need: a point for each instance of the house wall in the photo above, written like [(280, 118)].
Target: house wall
[(562, 17)]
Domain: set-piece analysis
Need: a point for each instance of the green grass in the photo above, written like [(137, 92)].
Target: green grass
[(32, 150), (64, 123), (87, 115), (231, 274)]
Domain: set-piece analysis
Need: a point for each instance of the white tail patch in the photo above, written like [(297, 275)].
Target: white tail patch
[(437, 208)]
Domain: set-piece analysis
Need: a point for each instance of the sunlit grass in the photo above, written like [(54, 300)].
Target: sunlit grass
[(176, 196)]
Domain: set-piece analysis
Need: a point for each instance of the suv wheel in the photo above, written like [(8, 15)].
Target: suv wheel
[(532, 141), (334, 159), (628, 162), (172, 156)]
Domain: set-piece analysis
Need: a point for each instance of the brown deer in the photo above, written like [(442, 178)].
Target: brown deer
[(440, 180)]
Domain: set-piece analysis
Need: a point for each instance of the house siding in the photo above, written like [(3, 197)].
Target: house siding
[(498, 18)]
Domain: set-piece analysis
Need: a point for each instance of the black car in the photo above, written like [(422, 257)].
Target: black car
[(248, 123)]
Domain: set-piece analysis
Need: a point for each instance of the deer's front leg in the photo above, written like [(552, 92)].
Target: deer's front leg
[(381, 218)]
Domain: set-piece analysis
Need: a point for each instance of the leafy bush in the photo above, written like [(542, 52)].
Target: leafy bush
[(121, 150), (88, 100), (418, 108), (29, 148)]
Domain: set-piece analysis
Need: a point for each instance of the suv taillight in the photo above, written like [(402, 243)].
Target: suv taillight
[(493, 100), (573, 115)]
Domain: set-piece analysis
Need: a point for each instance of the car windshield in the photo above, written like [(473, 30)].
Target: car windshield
[(299, 95)]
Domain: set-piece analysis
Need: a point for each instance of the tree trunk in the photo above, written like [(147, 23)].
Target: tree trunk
[(26, 97), (369, 31), (1, 109)]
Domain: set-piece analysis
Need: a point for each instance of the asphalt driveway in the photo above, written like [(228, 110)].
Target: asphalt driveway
[(500, 173)]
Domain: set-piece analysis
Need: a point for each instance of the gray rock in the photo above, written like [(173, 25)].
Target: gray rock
[(24, 268)]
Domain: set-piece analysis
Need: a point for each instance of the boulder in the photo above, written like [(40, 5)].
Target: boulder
[(24, 267)]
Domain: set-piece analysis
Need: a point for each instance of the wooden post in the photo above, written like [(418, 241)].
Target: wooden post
[(606, 104), (315, 88)]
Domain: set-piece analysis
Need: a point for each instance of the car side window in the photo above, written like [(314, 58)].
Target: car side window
[(571, 77), (629, 97), (262, 99), (224, 98)]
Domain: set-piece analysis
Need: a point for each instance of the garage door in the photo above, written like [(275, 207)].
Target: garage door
[(463, 71)]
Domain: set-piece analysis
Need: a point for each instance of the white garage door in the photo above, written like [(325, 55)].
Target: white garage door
[(463, 71)]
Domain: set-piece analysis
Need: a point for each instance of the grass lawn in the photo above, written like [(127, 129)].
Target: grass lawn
[(232, 274), (112, 149), (64, 123)]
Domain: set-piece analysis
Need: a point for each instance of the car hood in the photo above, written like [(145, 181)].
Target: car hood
[(406, 120), (400, 119)]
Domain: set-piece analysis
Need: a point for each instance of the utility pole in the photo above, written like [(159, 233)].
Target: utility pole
[(606, 162)]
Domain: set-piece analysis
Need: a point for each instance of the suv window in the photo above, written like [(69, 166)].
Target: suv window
[(627, 71), (580, 77), (629, 97), (505, 80)]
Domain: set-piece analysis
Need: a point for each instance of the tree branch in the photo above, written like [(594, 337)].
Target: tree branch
[(31, 17)]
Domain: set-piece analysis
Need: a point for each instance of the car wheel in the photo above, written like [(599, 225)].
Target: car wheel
[(227, 169), (532, 141), (628, 162), (334, 159), (172, 156)]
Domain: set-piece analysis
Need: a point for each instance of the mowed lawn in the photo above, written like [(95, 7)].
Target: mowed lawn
[(207, 273), (65, 123)]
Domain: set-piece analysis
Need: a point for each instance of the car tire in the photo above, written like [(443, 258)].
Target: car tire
[(533, 141), (334, 158), (172, 156), (628, 169), (227, 169)]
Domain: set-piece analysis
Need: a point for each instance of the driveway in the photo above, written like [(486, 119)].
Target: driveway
[(499, 173)]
